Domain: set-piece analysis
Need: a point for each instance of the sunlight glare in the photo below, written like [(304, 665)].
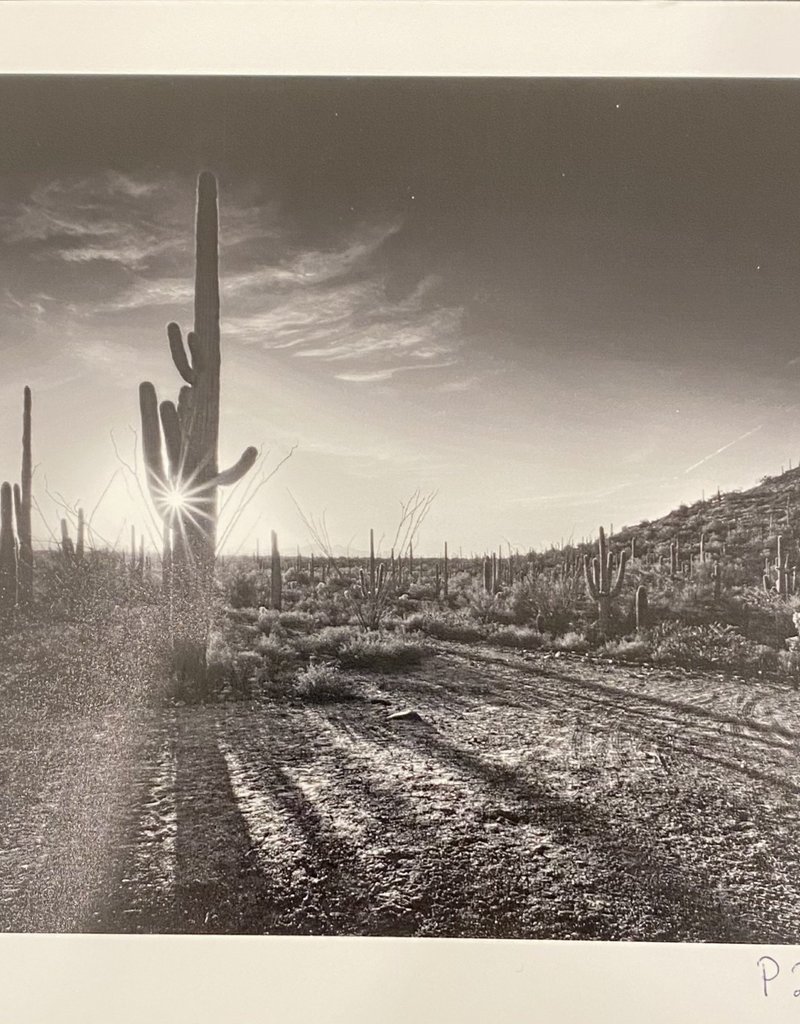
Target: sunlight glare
[(175, 499)]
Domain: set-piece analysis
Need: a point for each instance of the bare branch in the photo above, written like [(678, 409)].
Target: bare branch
[(248, 498)]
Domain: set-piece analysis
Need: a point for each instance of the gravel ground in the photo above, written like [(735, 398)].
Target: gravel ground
[(531, 796)]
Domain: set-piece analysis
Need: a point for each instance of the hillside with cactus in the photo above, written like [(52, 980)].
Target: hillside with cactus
[(738, 528)]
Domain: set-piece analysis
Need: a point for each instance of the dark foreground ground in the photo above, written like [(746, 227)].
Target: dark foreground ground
[(534, 796)]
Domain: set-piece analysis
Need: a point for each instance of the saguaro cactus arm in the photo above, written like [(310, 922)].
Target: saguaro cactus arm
[(234, 474), (178, 353), (151, 443), (173, 440), (623, 561)]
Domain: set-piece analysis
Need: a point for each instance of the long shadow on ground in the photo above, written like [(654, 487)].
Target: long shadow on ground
[(624, 704), (627, 867)]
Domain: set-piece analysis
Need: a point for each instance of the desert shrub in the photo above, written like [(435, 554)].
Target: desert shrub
[(635, 649), (559, 597), (459, 588), (418, 591), (279, 661), (520, 604), (406, 605), (442, 627), (711, 646), (324, 682), (327, 643), (485, 607), (76, 590), (219, 657), (789, 663), (296, 621), (228, 672), (242, 590), (572, 641), (765, 617), (521, 637), (267, 619), (376, 652), (247, 616), (328, 604)]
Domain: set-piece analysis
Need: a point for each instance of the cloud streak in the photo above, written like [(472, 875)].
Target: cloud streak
[(114, 218), (724, 448)]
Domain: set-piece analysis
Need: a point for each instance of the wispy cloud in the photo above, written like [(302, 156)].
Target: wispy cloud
[(724, 448), (457, 386), (326, 304), (34, 307), (368, 376), (148, 294), (296, 272), (354, 322), (115, 218), (571, 499)]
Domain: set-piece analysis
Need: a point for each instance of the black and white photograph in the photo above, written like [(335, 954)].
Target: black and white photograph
[(400, 507)]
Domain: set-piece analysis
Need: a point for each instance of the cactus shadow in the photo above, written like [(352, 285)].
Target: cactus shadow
[(685, 911)]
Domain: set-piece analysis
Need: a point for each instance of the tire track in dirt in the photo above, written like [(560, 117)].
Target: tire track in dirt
[(683, 798), (143, 894), (380, 819), (675, 726)]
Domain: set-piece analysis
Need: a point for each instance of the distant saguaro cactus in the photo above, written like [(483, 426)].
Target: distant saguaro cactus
[(780, 567), (370, 595), (597, 573), (674, 557), (67, 547), (23, 501), (8, 555), (716, 577), (640, 607), (276, 579)]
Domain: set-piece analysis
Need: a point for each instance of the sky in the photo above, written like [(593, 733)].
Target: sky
[(555, 303)]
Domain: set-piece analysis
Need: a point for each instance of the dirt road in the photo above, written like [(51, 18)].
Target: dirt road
[(532, 796)]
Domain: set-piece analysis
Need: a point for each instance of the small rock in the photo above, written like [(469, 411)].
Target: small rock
[(409, 715)]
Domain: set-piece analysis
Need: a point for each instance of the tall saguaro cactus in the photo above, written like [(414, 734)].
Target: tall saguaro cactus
[(184, 488), (598, 573), (23, 500)]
